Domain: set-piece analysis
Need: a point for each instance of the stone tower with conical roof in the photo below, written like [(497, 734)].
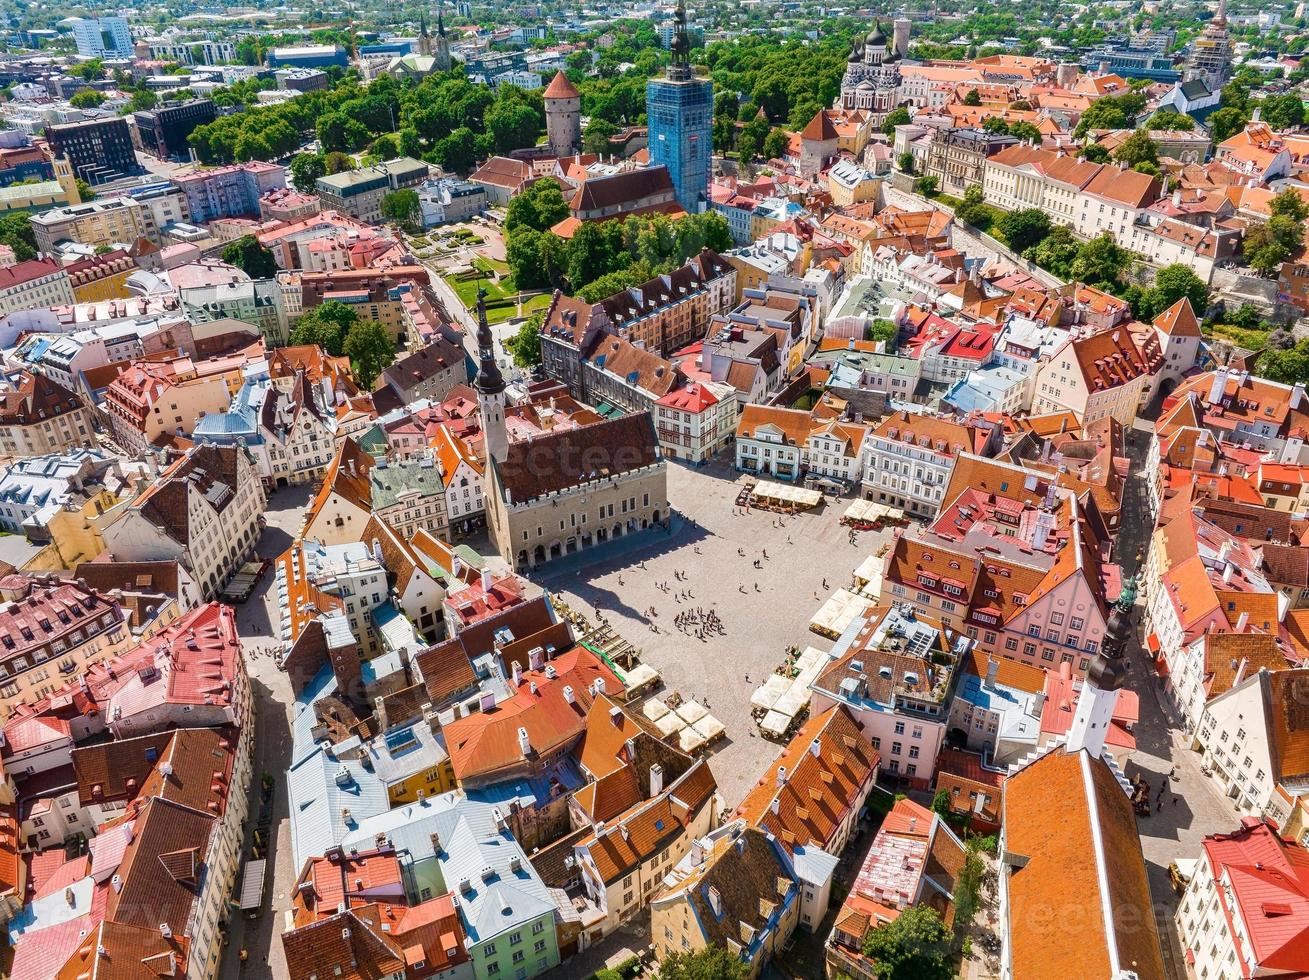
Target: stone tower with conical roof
[(490, 387), (563, 116), (1104, 678)]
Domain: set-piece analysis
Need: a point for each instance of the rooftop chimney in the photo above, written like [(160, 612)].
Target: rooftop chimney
[(656, 780), (524, 743), (781, 776)]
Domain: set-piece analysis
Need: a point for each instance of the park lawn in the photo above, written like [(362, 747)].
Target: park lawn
[(489, 266), (466, 289)]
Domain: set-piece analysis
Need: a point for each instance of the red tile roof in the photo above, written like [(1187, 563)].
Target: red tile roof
[(1269, 895)]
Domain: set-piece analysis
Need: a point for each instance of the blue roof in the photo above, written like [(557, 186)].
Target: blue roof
[(329, 797), (497, 887)]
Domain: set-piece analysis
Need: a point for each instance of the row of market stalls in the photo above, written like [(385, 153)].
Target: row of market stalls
[(867, 515), (688, 721), (778, 703)]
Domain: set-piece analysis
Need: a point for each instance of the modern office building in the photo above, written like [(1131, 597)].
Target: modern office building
[(163, 131), (679, 114), (102, 37), (98, 150), (308, 56)]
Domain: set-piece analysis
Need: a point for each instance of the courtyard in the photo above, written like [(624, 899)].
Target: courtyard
[(711, 556)]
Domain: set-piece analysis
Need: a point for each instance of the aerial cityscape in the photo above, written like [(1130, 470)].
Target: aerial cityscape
[(703, 491)]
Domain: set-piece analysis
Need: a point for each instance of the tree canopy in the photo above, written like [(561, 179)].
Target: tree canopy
[(252, 258), (370, 350), (913, 946), (710, 963), (325, 326), (402, 208), (654, 243)]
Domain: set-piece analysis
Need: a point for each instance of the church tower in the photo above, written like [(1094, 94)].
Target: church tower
[(679, 111), (424, 39), (442, 42), (1104, 679), (490, 387)]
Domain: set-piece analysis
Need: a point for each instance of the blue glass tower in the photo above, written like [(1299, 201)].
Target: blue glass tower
[(679, 111)]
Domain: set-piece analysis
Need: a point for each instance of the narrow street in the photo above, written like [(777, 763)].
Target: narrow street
[(258, 622), (1188, 807)]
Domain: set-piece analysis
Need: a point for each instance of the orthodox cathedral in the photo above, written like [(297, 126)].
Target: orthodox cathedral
[(872, 72)]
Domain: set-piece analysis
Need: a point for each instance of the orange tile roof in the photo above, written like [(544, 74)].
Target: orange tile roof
[(1179, 320), (648, 828), (486, 742), (793, 423), (1087, 862), (817, 789), (561, 88)]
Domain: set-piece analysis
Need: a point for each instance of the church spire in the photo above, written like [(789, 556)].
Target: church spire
[(1104, 678), (442, 42), (489, 379), (424, 39), (679, 68)]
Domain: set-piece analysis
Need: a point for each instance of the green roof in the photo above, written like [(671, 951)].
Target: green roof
[(26, 192)]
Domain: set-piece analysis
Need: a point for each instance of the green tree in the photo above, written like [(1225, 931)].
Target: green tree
[(1290, 204), (540, 206), (927, 185), (710, 963), (142, 100), (1024, 228), (370, 350), (385, 147), (524, 258), (775, 144), (967, 892), (1268, 245), (973, 98), (899, 116), (250, 257), (883, 331), (1170, 120), (90, 71), (1095, 153), (1282, 111), (588, 257), (1101, 262), (1286, 365), (306, 168), (1056, 252), (913, 946), (1104, 113), (458, 151), (750, 141), (402, 208), (1174, 282), (905, 161), (1137, 148), (17, 232), (337, 162), (84, 190), (325, 326), (88, 98), (525, 346), (1025, 131), (512, 121), (1226, 123), (597, 135)]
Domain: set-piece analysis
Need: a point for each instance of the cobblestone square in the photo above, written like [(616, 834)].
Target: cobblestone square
[(763, 610)]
